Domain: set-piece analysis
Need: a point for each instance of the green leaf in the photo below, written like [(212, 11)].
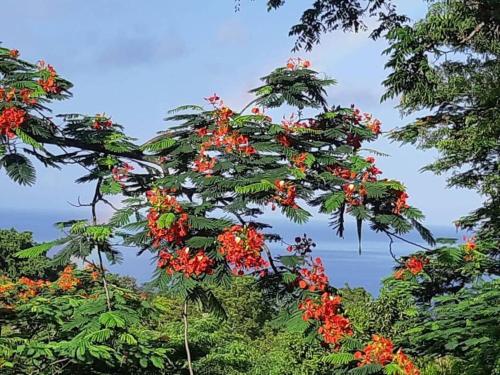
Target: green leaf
[(19, 168), (159, 145), (166, 220), (28, 139), (110, 319), (333, 202), (264, 185), (339, 358), (36, 250)]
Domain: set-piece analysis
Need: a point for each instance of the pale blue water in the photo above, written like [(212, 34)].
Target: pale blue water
[(343, 263)]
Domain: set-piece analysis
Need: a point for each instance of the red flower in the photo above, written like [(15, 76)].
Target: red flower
[(185, 262), (399, 274), (381, 351), (416, 265), (300, 161), (164, 203), (204, 164), (255, 110), (333, 326), (67, 280), (400, 204), (242, 246), (213, 99), (101, 122), (314, 279), (202, 131), (374, 126), (14, 53), (49, 84), (10, 120), (284, 140), (121, 173), (287, 193)]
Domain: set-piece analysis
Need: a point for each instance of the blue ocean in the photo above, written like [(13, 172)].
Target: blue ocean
[(343, 263)]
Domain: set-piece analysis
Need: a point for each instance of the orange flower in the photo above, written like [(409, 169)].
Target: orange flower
[(416, 265), (333, 326), (184, 262), (399, 274), (10, 120), (67, 279), (242, 246), (14, 53), (400, 203)]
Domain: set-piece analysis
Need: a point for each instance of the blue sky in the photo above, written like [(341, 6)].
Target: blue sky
[(135, 60)]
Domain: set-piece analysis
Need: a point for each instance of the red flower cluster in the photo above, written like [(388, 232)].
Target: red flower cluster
[(205, 164), (163, 203), (221, 137), (354, 193), (14, 53), (31, 287), (67, 279), (315, 278), (284, 140), (416, 265), (297, 63), (121, 173), (24, 94), (299, 161), (101, 121), (381, 351), (400, 204), (287, 192), (469, 248), (184, 262), (333, 326), (242, 246), (10, 120), (49, 84)]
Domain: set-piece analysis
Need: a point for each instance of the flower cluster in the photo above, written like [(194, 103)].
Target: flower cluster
[(93, 270), (67, 279), (381, 351), (186, 262), (297, 63), (303, 245), (286, 194), (10, 120), (48, 81), (242, 246), (222, 137), (300, 160), (366, 119), (400, 204), (30, 288), (414, 265), (120, 173), (332, 325), (314, 279), (354, 189), (469, 248), (101, 121), (162, 203)]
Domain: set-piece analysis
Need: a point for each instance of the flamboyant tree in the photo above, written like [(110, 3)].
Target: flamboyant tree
[(195, 195)]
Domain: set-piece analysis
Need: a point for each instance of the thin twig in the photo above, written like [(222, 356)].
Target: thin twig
[(407, 241), (186, 340)]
